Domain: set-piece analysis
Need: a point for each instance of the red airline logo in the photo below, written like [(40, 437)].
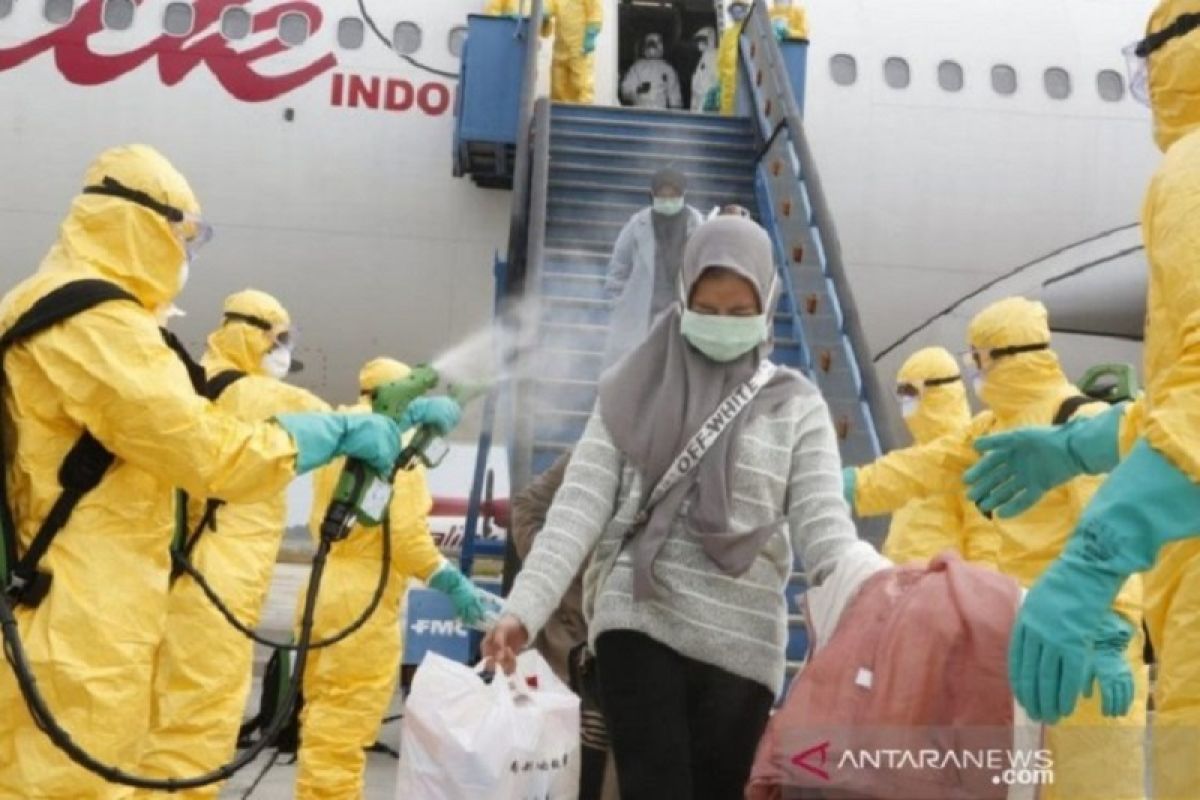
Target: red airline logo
[(178, 56)]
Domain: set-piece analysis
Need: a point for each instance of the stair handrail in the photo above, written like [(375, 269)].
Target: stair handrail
[(520, 451), (775, 105), (518, 218)]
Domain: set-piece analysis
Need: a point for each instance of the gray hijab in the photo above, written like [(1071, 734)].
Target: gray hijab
[(660, 393)]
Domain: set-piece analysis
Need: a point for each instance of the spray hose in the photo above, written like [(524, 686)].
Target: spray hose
[(385, 547), (14, 652)]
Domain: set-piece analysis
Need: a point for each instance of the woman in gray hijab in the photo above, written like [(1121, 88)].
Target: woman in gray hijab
[(643, 275), (685, 595)]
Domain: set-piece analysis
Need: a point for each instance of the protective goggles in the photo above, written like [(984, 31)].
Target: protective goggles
[(914, 390), (983, 360), (280, 335), (193, 233), (1137, 55)]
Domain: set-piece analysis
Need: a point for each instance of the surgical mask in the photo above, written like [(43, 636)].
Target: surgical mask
[(738, 13), (167, 313), (668, 206), (723, 338), (184, 270), (702, 44), (977, 385), (277, 362), (653, 51), (909, 406)]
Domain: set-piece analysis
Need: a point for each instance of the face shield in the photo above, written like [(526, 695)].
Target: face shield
[(653, 46), (739, 11), (981, 361), (1137, 55), (283, 338)]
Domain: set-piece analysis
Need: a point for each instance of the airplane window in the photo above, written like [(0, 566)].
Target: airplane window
[(1111, 85), (235, 23), (950, 76), (351, 32), (1004, 79), (178, 19), (843, 69), (896, 73), (1058, 83), (406, 38), (118, 15), (59, 12), (293, 28), (458, 38)]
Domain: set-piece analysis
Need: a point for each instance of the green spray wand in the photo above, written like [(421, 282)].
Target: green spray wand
[(362, 495)]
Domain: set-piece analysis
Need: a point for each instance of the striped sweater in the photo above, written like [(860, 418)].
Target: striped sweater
[(788, 466)]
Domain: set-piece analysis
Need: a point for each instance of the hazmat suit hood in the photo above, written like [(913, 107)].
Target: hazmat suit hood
[(121, 241), (379, 371), (942, 407), (240, 345), (1174, 75), (1019, 384)]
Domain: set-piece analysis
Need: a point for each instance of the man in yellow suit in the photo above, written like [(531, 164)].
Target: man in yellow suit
[(347, 686), (202, 671), (575, 25), (933, 401), (1146, 514), (1097, 750), (727, 57)]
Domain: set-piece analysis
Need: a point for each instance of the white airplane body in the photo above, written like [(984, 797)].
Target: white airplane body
[(326, 170)]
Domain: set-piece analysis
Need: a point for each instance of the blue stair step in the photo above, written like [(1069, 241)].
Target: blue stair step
[(587, 286), (565, 111), (591, 191), (639, 180), (644, 129), (648, 161), (579, 336), (797, 646)]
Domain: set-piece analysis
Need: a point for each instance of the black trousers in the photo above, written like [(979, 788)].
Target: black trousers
[(679, 729)]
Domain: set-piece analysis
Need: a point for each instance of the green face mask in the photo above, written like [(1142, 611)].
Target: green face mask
[(723, 338), (668, 206)]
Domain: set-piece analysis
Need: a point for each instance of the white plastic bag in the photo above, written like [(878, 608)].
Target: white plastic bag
[(516, 738)]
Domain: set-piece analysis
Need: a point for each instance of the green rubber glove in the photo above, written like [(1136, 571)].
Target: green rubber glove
[(1110, 668), (589, 39), (1019, 467), (1145, 503), (782, 31), (712, 99), (849, 485), (442, 413), (469, 603), (322, 437)]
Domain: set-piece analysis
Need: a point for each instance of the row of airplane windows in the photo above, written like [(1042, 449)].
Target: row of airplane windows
[(897, 74), (294, 29), (179, 19)]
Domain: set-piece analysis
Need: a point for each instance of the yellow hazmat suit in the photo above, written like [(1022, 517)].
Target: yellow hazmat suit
[(1095, 758), (573, 68), (793, 16), (202, 672), (347, 687), (92, 640), (727, 66), (1167, 416), (935, 403), (505, 8)]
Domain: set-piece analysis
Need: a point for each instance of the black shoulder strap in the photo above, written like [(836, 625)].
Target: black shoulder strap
[(194, 370), (1070, 406), (218, 383), (83, 466), (213, 388)]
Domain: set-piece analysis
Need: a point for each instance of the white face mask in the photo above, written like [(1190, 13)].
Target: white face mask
[(909, 406), (167, 313), (277, 363), (668, 206), (184, 270), (977, 384)]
